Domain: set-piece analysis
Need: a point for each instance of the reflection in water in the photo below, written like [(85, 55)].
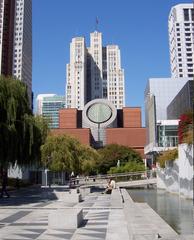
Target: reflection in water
[(176, 211)]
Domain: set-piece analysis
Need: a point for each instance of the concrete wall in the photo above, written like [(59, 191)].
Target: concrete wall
[(177, 177)]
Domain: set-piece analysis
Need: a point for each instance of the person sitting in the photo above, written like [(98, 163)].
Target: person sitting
[(111, 185)]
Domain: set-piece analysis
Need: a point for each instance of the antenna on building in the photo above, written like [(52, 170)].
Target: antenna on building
[(96, 24)]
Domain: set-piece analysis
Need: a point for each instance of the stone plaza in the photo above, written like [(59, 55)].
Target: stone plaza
[(27, 214)]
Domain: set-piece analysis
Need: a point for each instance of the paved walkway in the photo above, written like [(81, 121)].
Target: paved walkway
[(25, 216)]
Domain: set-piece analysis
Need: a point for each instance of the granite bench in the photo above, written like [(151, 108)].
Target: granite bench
[(65, 218)]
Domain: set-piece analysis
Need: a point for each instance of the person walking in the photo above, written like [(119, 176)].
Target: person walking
[(4, 184)]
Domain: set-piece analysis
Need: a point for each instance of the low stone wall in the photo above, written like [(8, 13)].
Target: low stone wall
[(177, 177)]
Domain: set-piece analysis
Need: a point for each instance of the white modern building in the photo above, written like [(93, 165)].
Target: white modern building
[(16, 40), (181, 40), (158, 94), (164, 90), (48, 105), (94, 73)]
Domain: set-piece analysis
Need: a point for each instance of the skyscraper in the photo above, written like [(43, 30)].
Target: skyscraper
[(94, 72), (16, 40), (48, 106), (181, 40)]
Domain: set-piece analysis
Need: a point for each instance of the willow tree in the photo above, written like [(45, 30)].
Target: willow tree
[(61, 153), (20, 135), (65, 153)]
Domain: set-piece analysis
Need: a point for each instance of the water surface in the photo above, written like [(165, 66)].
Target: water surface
[(176, 211)]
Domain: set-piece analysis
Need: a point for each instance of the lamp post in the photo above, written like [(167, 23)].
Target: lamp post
[(46, 171)]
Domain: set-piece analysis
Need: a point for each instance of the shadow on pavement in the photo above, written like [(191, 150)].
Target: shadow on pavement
[(28, 195)]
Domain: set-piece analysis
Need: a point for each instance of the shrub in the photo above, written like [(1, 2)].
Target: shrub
[(128, 167), (169, 155), (188, 137), (185, 126)]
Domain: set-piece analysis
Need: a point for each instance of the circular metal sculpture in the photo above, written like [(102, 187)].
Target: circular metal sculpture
[(99, 113)]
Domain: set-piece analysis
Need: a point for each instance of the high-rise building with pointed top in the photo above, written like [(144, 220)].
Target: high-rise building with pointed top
[(16, 40), (94, 72)]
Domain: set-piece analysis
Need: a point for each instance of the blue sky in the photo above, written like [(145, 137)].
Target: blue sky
[(140, 28)]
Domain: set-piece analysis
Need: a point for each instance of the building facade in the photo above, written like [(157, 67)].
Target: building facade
[(158, 94), (183, 101), (48, 105), (16, 40), (94, 73), (100, 123), (164, 90), (181, 40), (76, 74)]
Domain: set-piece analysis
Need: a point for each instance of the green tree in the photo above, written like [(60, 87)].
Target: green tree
[(89, 158), (40, 133), (19, 135), (55, 153), (64, 153), (110, 154), (61, 153)]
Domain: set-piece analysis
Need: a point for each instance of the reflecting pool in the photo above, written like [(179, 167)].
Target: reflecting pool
[(176, 211)]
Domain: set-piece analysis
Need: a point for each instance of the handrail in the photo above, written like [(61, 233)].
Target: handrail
[(115, 175)]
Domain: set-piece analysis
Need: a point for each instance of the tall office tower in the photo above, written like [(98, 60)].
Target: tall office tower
[(95, 52), (76, 74), (115, 77), (102, 75), (48, 106), (181, 40), (16, 40)]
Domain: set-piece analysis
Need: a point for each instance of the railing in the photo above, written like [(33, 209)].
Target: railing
[(130, 176), (98, 179), (114, 175)]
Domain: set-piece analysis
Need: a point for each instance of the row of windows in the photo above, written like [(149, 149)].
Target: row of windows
[(187, 49), (17, 14), (188, 60), (116, 103), (185, 24), (19, 3), (188, 75), (188, 65), (114, 88), (115, 93), (188, 24), (189, 70)]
